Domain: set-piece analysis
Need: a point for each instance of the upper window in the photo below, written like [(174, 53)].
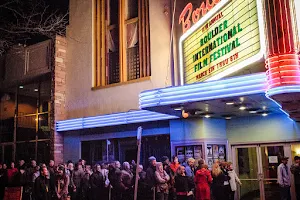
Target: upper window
[(121, 41)]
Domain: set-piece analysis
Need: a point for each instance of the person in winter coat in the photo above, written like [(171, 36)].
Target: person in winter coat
[(175, 164), (183, 184), (62, 183), (218, 188), (97, 183), (203, 180), (3, 179), (78, 174), (43, 187), (126, 182), (295, 169), (233, 180), (162, 179), (190, 168), (12, 173), (86, 186), (150, 178)]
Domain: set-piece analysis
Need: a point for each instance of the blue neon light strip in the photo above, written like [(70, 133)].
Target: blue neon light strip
[(283, 90), (112, 120), (231, 87)]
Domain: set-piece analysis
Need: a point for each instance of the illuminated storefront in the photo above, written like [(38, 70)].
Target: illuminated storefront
[(237, 93)]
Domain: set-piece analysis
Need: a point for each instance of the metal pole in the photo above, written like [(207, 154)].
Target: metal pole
[(139, 143), (106, 150)]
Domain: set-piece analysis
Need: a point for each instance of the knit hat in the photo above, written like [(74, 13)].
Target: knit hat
[(151, 158)]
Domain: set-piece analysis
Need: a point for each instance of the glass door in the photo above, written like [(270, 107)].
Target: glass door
[(256, 166), (247, 166), (271, 159)]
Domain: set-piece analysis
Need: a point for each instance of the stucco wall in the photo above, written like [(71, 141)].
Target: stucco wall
[(81, 100), (195, 129), (272, 128)]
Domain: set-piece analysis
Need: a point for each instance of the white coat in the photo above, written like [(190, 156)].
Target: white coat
[(233, 180)]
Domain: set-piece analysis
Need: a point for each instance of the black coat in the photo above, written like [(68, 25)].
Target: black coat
[(150, 176), (43, 188), (97, 185)]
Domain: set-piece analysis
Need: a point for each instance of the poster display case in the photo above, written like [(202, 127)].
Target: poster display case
[(209, 150)]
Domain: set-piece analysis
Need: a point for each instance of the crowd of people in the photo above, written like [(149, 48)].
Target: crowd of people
[(163, 180)]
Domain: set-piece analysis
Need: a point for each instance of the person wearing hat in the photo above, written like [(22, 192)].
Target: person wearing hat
[(284, 180), (295, 169), (150, 177)]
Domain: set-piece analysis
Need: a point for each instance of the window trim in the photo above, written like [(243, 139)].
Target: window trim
[(100, 59)]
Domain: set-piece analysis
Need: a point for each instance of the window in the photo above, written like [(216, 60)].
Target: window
[(121, 41)]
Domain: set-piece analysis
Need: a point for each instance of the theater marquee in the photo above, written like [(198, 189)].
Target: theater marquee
[(226, 39)]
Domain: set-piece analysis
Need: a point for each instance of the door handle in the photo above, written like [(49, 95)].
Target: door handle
[(260, 176)]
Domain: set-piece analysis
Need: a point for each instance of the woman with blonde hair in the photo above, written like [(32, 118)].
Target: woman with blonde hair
[(162, 179), (218, 188)]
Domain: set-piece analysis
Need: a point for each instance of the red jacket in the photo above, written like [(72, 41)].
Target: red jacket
[(174, 166), (11, 174), (202, 180)]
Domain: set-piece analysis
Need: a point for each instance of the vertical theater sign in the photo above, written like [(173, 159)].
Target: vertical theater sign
[(220, 37)]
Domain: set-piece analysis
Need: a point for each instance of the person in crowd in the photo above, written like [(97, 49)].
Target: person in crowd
[(190, 168), (142, 186), (51, 167), (44, 188), (284, 180), (12, 174), (86, 186), (218, 182), (227, 189), (97, 182), (21, 176), (162, 178), (70, 173), (175, 164), (203, 179), (3, 179), (150, 178), (35, 174), (62, 183), (125, 185), (183, 185), (118, 165), (112, 176), (295, 169), (77, 180), (233, 180), (200, 163)]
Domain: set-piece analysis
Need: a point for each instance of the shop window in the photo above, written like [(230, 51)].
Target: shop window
[(25, 151), (44, 126), (7, 112), (43, 152), (121, 41)]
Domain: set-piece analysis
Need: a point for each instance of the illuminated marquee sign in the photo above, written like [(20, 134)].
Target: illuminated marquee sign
[(226, 39)]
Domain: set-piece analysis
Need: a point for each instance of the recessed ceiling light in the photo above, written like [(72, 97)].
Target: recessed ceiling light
[(252, 111), (178, 108), (229, 103), (242, 108), (228, 118), (264, 114), (21, 86), (207, 116), (36, 90), (264, 107)]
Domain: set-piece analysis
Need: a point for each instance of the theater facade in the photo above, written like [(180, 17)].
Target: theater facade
[(227, 88)]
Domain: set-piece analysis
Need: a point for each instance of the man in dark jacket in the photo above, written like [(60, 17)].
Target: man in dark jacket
[(97, 183), (150, 178), (77, 180), (295, 169), (43, 187)]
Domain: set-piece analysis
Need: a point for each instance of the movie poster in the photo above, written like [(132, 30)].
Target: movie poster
[(209, 151), (198, 152), (189, 152), (180, 154), (216, 151)]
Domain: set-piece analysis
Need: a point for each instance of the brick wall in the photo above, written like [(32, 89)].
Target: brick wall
[(58, 97)]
